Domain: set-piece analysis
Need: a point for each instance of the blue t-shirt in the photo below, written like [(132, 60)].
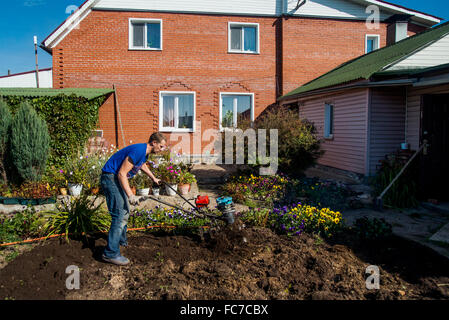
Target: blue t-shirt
[(136, 152)]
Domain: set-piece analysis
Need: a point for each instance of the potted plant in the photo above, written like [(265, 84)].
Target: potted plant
[(76, 175), (169, 173), (185, 181), (142, 183)]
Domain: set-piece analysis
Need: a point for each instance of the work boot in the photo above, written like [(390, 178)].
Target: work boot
[(120, 260)]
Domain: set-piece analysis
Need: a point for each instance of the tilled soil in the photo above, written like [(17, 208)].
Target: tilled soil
[(251, 264)]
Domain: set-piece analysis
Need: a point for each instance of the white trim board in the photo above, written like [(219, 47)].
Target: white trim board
[(176, 130), (220, 117), (131, 35)]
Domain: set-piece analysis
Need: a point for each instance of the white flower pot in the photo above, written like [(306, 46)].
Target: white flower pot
[(169, 191), (143, 192), (75, 189), (156, 191)]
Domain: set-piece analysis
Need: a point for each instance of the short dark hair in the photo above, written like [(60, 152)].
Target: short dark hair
[(157, 137)]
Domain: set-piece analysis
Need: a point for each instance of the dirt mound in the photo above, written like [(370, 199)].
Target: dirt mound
[(252, 263)]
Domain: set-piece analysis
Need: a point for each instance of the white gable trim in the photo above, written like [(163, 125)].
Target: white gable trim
[(74, 20), (403, 10)]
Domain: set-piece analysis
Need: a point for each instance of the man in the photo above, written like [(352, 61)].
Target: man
[(123, 165)]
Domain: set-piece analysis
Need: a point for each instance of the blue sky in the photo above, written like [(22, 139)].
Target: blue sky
[(22, 19)]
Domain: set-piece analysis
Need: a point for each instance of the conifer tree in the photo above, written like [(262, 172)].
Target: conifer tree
[(30, 143), (5, 126)]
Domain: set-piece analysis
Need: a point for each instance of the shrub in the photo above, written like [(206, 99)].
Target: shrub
[(55, 178), (403, 193), (319, 193), (76, 170), (81, 216), (373, 229), (21, 226), (30, 143), (257, 217), (5, 126), (299, 147)]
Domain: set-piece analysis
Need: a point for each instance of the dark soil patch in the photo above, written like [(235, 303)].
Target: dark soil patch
[(250, 264)]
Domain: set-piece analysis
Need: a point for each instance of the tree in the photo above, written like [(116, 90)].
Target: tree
[(30, 143), (5, 126)]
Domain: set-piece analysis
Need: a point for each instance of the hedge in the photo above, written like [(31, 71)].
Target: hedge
[(70, 121)]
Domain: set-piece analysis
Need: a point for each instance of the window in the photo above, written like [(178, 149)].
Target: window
[(234, 108), (177, 111), (145, 34), (328, 121), (372, 43), (243, 37)]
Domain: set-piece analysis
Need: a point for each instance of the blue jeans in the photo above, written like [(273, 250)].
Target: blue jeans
[(117, 202)]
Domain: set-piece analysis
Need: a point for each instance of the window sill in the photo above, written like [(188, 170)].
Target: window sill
[(329, 138), (168, 130), (143, 49), (244, 52)]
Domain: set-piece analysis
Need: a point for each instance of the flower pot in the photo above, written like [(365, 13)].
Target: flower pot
[(63, 191), (75, 189), (156, 191), (184, 188), (95, 191), (143, 192), (169, 191)]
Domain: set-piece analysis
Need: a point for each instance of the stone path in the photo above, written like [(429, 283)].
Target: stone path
[(425, 226)]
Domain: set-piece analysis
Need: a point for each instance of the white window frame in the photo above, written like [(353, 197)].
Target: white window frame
[(161, 113), (234, 107), (368, 36), (243, 24), (97, 133), (131, 34), (331, 119)]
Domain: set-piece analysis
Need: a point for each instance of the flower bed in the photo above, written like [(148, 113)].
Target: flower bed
[(271, 191), (253, 190)]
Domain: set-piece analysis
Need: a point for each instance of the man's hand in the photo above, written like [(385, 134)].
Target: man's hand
[(133, 200), (157, 181)]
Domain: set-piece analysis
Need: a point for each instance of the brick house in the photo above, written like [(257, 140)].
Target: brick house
[(174, 62)]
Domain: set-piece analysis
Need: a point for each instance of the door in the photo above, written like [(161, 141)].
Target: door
[(434, 182)]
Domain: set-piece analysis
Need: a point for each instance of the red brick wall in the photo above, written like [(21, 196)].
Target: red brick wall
[(414, 29), (195, 58), (312, 47)]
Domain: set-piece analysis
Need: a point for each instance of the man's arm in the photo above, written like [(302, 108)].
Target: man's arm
[(126, 167), (147, 170)]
